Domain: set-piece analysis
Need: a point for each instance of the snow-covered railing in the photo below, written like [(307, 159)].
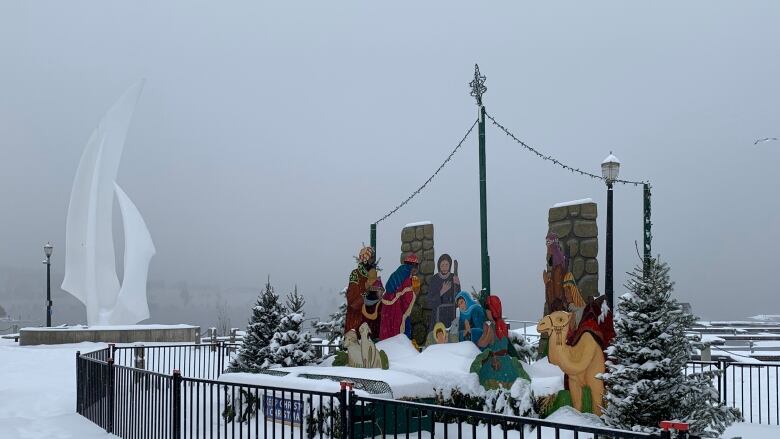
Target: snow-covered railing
[(753, 387), (205, 360)]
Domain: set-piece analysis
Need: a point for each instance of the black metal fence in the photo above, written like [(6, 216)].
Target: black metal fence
[(379, 417), (750, 387), (122, 390), (94, 388), (114, 392)]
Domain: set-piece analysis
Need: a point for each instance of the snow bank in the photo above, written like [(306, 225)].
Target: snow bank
[(766, 318), (403, 385), (397, 348), (570, 415), (530, 332), (546, 378), (444, 366), (39, 392)]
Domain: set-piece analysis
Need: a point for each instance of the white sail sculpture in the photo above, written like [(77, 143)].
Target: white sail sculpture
[(90, 267)]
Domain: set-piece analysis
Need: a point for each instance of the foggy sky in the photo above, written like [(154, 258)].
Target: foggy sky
[(268, 137)]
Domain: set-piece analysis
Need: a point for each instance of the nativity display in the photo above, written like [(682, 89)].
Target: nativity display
[(579, 354), (441, 335), (364, 292), (363, 352), (560, 289), (495, 366), (442, 288), (471, 317), (398, 299)]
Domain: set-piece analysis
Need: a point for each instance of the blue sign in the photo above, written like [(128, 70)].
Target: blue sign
[(283, 410)]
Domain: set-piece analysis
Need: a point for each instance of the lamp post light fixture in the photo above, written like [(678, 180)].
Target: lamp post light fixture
[(47, 249), (610, 169)]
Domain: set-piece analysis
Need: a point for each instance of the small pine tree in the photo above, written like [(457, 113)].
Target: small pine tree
[(334, 328), (646, 377), (291, 345), (255, 350)]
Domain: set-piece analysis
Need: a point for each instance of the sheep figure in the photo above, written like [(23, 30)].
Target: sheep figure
[(368, 350), (354, 354)]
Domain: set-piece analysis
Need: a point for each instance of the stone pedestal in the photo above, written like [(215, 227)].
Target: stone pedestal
[(418, 238), (575, 225)]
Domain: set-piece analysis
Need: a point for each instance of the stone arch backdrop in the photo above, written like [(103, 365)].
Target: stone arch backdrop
[(418, 238)]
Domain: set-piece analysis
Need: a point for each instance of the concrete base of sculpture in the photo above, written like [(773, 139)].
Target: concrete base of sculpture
[(109, 334)]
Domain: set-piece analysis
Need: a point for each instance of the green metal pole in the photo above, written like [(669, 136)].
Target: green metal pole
[(483, 205), (373, 237), (477, 90), (648, 235)]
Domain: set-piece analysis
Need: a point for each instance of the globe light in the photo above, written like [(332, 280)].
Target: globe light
[(48, 249)]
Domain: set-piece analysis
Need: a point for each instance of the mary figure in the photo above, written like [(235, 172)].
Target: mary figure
[(471, 318)]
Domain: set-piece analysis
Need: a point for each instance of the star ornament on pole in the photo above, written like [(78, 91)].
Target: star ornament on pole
[(478, 85)]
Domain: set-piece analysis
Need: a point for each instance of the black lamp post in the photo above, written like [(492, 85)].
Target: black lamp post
[(47, 249), (610, 168)]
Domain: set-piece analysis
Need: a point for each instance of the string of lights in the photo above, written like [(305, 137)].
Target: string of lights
[(419, 189), (556, 161)]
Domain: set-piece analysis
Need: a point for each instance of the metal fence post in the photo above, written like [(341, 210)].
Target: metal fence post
[(343, 409), (139, 357), (723, 366), (351, 410), (233, 333), (221, 360), (110, 395), (176, 402), (347, 408), (213, 337), (79, 384)]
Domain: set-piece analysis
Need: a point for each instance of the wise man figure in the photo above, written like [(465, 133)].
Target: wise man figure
[(364, 293), (399, 297), (560, 288)]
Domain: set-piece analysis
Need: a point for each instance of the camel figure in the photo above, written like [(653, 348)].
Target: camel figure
[(581, 362)]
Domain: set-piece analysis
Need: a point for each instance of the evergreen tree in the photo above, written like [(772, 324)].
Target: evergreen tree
[(646, 377), (255, 350), (291, 345), (334, 328)]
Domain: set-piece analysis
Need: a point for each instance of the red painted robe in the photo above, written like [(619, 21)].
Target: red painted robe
[(355, 290), (396, 308)]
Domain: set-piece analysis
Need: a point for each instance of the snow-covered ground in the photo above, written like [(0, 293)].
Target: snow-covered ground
[(38, 393)]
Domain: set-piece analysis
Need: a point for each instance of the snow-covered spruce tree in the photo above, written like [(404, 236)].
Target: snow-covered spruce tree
[(333, 329), (646, 379), (266, 315), (291, 345)]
